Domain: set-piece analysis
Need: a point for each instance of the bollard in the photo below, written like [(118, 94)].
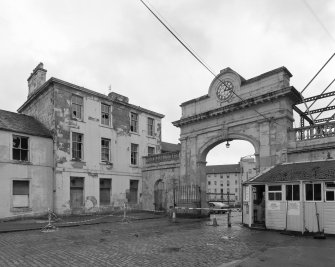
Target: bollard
[(229, 218), (215, 223), (174, 216)]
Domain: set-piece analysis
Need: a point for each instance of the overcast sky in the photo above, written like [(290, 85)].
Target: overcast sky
[(119, 43)]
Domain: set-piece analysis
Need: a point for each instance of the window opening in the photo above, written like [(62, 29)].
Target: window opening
[(20, 148), (133, 122), (275, 192), (313, 192), (105, 111), (105, 150), (77, 107), (134, 154), (77, 146)]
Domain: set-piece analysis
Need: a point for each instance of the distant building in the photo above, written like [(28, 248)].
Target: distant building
[(224, 179), (26, 166), (99, 142), (169, 147)]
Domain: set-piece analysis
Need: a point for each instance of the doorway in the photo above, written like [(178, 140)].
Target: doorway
[(76, 193), (133, 192), (258, 196)]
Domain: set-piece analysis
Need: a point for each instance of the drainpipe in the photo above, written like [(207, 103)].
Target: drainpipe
[(302, 208)]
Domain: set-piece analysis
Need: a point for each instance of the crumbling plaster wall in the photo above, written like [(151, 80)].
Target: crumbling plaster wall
[(38, 170)]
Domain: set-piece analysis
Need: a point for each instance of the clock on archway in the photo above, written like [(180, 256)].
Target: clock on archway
[(225, 90)]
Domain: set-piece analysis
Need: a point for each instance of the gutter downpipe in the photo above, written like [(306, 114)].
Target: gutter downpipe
[(302, 208)]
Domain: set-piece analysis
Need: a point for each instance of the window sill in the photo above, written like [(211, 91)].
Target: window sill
[(78, 160), (135, 133), (106, 126), (134, 166), (151, 136), (21, 162), (23, 209), (109, 165)]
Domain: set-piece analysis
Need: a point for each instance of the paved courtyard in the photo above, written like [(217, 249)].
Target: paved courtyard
[(160, 242)]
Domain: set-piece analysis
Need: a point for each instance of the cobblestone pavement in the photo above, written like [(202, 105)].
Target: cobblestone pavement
[(156, 242)]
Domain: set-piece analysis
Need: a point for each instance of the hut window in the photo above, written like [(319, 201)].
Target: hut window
[(330, 191), (292, 192), (274, 192), (313, 192)]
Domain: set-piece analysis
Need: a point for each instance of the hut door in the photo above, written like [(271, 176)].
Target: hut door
[(159, 195)]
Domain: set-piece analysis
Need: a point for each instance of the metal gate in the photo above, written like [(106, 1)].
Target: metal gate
[(188, 194)]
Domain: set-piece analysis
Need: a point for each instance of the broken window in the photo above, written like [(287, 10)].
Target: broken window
[(292, 192), (105, 191), (151, 150), (20, 194), (77, 146), (20, 148), (330, 191), (77, 107), (105, 150), (275, 192), (313, 192), (105, 111), (134, 122), (134, 154), (151, 124)]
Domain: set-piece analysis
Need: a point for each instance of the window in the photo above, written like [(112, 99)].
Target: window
[(105, 111), (221, 176), (214, 182), (20, 148), (20, 194), (293, 192), (313, 192), (274, 192), (134, 154), (105, 150), (209, 182), (227, 176), (235, 181), (77, 107), (228, 183), (151, 125), (105, 191), (221, 184), (235, 190), (151, 150), (330, 191), (214, 175), (77, 146), (134, 122)]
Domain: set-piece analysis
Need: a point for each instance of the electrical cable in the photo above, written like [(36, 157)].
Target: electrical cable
[(191, 51)]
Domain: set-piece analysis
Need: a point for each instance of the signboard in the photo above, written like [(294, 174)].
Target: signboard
[(273, 205), (246, 193), (293, 208)]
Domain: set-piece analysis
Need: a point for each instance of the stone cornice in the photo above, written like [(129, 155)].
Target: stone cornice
[(240, 105)]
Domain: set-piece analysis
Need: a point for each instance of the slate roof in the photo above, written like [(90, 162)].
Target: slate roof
[(303, 171), (20, 123), (169, 147), (229, 168)]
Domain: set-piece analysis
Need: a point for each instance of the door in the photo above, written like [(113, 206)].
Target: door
[(76, 192), (133, 191), (105, 191), (159, 195)]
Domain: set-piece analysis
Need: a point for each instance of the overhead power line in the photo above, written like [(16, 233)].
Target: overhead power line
[(191, 51)]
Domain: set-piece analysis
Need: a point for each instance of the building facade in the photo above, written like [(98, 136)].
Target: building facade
[(26, 166), (99, 142)]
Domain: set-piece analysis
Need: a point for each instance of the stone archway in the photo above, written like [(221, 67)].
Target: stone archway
[(258, 110)]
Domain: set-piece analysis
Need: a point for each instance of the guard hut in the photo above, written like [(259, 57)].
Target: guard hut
[(292, 196)]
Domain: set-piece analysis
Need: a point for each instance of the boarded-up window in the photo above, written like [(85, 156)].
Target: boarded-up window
[(313, 192), (105, 191), (20, 194), (20, 148)]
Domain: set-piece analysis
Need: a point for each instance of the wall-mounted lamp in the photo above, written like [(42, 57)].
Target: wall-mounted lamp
[(227, 145)]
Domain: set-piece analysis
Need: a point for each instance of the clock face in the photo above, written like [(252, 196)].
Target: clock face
[(225, 91)]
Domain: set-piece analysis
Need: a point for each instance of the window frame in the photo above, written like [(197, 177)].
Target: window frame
[(292, 192), (321, 194), (75, 104), (134, 122), (134, 154), (274, 192), (104, 147), (21, 149), (104, 112), (151, 127), (329, 190), (81, 158), (153, 148)]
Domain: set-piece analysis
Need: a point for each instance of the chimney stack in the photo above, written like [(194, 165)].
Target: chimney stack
[(36, 79)]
